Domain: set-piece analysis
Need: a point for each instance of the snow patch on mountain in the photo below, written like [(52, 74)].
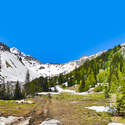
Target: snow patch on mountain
[(14, 66), (11, 67), (49, 69)]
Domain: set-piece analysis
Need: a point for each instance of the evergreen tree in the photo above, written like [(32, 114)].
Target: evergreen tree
[(8, 92), (81, 86), (120, 102), (106, 90), (17, 91), (27, 79), (2, 91)]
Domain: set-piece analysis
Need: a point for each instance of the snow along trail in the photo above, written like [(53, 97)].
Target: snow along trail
[(116, 124), (60, 90), (99, 108), (8, 120), (50, 122), (102, 109)]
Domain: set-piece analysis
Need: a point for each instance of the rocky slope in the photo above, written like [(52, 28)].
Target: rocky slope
[(15, 65)]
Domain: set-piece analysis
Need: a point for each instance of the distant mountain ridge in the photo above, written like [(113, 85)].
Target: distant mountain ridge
[(15, 65)]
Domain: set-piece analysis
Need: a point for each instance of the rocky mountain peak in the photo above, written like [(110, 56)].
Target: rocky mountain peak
[(15, 51), (4, 47)]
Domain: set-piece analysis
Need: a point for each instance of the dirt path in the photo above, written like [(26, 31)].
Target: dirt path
[(37, 115), (37, 118)]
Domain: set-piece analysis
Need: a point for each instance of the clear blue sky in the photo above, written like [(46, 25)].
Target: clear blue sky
[(59, 31)]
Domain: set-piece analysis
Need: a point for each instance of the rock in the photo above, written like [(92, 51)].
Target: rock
[(8, 120), (25, 122), (50, 122)]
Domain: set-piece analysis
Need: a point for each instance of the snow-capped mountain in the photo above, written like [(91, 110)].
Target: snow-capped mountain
[(14, 66)]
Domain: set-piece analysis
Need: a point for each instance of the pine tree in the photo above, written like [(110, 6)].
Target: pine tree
[(81, 86), (2, 91), (27, 79), (106, 91), (8, 92), (17, 92), (120, 101)]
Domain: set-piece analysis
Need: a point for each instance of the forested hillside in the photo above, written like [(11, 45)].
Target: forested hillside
[(97, 70), (101, 69), (108, 69)]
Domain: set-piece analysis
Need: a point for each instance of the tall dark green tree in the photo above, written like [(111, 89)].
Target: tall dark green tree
[(17, 92), (27, 79)]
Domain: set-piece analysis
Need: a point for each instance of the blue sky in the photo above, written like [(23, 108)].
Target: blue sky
[(59, 31)]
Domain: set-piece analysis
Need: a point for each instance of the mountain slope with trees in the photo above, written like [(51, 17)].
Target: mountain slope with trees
[(107, 69), (14, 66)]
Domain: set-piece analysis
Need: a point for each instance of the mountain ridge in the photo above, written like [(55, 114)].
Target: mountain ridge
[(15, 65)]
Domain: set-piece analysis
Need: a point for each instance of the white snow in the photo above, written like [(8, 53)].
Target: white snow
[(50, 122), (15, 50), (60, 90), (11, 119), (99, 108), (46, 93), (46, 70), (24, 101), (97, 54), (122, 45), (65, 84), (18, 69), (8, 120), (115, 124)]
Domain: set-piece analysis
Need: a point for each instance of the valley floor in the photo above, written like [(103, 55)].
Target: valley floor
[(68, 108)]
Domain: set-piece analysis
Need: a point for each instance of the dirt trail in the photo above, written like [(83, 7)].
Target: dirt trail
[(37, 118), (37, 115)]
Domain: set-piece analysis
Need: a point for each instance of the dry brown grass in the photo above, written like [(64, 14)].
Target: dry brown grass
[(69, 109)]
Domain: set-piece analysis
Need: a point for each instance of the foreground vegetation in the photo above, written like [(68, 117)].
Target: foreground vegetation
[(67, 108)]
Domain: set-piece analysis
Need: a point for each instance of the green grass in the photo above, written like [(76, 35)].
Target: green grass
[(13, 108), (68, 108), (73, 97), (73, 109)]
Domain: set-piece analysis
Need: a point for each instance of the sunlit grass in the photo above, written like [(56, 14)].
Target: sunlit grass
[(73, 109), (68, 108), (12, 108)]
